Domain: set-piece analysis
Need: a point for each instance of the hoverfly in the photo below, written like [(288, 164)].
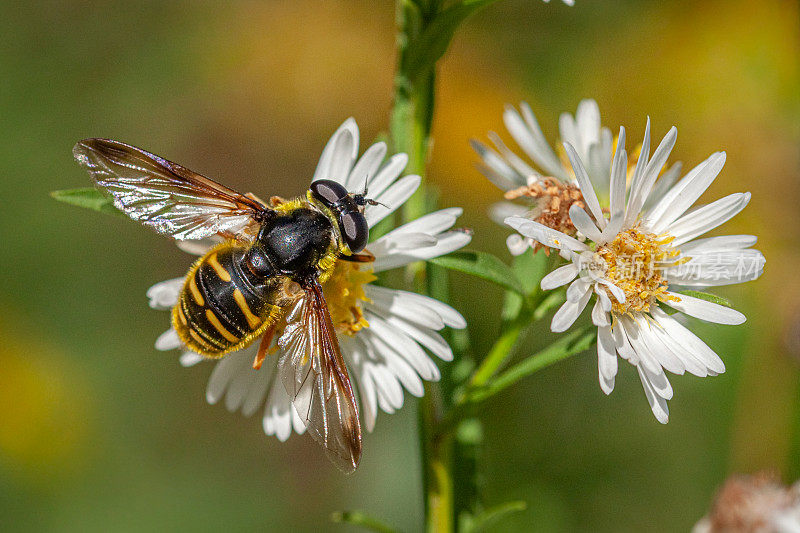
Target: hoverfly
[(269, 264)]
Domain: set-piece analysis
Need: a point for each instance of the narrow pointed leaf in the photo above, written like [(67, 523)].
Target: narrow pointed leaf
[(482, 265), (87, 197), (489, 517), (707, 296), (362, 520), (424, 51)]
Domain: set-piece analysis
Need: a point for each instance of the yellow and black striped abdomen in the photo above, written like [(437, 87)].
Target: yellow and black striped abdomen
[(221, 309)]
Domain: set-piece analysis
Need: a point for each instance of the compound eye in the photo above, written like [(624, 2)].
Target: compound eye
[(328, 192), (355, 231), (257, 263)]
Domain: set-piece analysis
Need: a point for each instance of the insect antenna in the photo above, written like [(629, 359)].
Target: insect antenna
[(362, 199)]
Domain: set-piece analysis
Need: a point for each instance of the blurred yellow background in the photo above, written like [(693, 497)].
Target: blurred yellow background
[(100, 432)]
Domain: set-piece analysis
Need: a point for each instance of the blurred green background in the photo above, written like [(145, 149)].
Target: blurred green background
[(100, 432)]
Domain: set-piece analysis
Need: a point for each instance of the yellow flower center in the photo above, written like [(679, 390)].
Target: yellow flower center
[(634, 261), (344, 292)]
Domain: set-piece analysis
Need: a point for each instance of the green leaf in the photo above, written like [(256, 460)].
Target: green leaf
[(482, 265), (89, 198), (362, 520), (707, 296), (530, 268), (490, 516), (424, 51), (512, 306)]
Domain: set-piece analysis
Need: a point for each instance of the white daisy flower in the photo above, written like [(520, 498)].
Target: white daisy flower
[(641, 252), (383, 333), (549, 184)]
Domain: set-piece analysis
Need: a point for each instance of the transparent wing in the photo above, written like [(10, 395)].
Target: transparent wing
[(315, 376), (171, 199)]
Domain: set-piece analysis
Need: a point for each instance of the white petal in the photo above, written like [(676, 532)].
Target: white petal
[(258, 391), (589, 195), (602, 297), (606, 359), (224, 373), (398, 303), (618, 177), (587, 122), (717, 268), (338, 155), (599, 315), (660, 383), (390, 393), (644, 355), (719, 244), (397, 243), (168, 340), (637, 200), (404, 356), (391, 199), (387, 174), (405, 347), (560, 276), (622, 343), (427, 337), (530, 138), (544, 235), (638, 175), (278, 413), (165, 295), (495, 168), (577, 290), (432, 223), (689, 340), (516, 244), (240, 386), (685, 192), (657, 404), (523, 170), (616, 292), (449, 316), (583, 223), (657, 348), (188, 359), (366, 168), (663, 184), (446, 243), (689, 360), (708, 217), (499, 211), (198, 246), (705, 310), (357, 358), (568, 313)]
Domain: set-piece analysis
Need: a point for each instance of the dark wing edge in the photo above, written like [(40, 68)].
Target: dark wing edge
[(170, 198), (315, 377)]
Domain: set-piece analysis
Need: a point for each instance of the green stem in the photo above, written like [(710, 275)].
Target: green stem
[(412, 116), (571, 344), (500, 351), (503, 347)]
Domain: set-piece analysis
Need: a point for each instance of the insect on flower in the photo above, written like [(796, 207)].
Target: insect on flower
[(271, 264)]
